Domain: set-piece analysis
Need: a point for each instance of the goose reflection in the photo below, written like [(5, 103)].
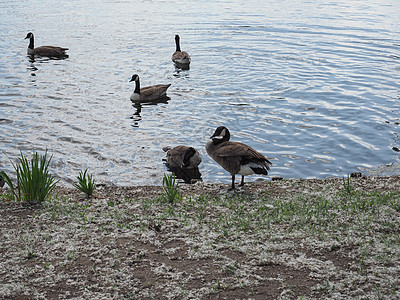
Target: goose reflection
[(184, 162), (136, 117), (181, 67), (138, 105), (32, 68), (187, 175)]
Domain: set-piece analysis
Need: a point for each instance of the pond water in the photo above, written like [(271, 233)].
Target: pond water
[(313, 85)]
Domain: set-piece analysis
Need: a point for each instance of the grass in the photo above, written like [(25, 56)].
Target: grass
[(85, 183), (34, 181), (347, 185), (266, 230), (171, 191)]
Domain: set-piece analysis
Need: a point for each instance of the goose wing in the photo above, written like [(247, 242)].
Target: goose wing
[(233, 150), (154, 90), (50, 51), (179, 55)]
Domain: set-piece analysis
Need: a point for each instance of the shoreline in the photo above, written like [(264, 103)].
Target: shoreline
[(363, 182), (304, 238)]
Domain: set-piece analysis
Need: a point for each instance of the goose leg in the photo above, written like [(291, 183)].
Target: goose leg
[(233, 182), (242, 182)]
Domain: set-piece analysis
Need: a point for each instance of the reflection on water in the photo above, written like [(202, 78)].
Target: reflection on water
[(314, 86), (181, 67), (137, 105), (42, 59), (136, 115), (187, 175)]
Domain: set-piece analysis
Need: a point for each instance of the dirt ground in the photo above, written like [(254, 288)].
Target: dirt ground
[(119, 244)]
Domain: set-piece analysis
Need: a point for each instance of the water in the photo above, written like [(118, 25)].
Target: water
[(313, 85)]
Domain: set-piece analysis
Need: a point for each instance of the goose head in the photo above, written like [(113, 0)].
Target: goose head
[(189, 153), (29, 35), (135, 78), (220, 135)]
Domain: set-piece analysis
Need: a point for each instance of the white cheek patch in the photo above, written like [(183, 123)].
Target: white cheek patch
[(223, 132)]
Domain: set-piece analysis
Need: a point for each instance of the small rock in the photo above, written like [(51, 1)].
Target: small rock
[(356, 175), (276, 178)]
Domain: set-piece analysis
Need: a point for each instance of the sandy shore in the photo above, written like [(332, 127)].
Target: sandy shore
[(287, 239)]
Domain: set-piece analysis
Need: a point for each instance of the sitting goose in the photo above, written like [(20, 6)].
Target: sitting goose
[(148, 93), (235, 157), (184, 163), (182, 157), (49, 51), (180, 57)]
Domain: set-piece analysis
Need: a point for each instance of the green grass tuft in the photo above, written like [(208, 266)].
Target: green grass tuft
[(34, 182), (171, 192), (85, 183), (347, 185)]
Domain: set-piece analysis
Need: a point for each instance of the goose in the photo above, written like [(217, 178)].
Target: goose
[(235, 157), (180, 57), (182, 157), (148, 93), (49, 51)]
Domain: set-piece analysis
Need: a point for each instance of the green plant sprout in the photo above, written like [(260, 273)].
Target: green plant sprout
[(34, 182), (171, 192), (85, 183)]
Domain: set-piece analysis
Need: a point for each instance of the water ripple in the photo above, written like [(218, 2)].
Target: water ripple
[(312, 86)]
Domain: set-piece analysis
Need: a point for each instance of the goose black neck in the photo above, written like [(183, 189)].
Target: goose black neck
[(137, 87), (178, 47), (31, 42)]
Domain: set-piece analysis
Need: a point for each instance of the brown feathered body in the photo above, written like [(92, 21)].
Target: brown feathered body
[(181, 57)]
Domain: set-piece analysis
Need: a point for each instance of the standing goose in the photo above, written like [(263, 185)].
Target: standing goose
[(180, 57), (49, 51), (148, 93), (182, 157), (235, 157)]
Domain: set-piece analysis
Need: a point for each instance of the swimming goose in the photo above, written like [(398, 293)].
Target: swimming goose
[(148, 93), (180, 57), (182, 157), (49, 51), (235, 157)]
